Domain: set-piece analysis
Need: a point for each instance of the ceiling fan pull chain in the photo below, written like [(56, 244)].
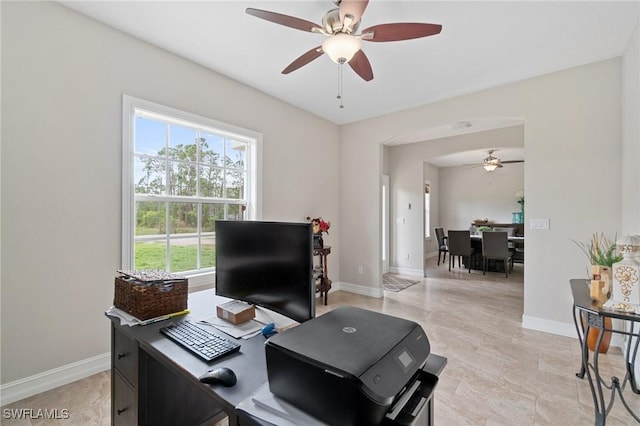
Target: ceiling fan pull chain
[(340, 85)]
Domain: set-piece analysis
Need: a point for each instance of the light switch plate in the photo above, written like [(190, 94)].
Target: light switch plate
[(539, 224)]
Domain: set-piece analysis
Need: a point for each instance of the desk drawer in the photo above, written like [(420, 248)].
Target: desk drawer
[(125, 356), (124, 405)]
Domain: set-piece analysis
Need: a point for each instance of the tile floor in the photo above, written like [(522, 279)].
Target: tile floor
[(497, 374)]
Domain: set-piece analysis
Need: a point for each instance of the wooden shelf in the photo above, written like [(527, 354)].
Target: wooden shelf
[(320, 272)]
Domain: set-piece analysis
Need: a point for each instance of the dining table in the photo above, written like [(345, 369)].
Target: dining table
[(516, 242)]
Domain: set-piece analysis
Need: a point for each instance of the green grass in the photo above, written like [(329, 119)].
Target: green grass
[(183, 257), (155, 231), (148, 231)]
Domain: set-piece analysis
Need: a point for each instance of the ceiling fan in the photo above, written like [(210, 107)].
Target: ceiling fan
[(342, 44), (491, 163)]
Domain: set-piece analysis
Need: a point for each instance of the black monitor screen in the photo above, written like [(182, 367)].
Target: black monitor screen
[(269, 264)]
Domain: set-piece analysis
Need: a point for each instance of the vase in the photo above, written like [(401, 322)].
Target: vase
[(516, 217), (600, 286), (592, 337), (318, 242), (600, 292), (626, 274), (521, 212)]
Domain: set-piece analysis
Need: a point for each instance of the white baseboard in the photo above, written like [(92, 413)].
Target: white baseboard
[(561, 329), (552, 327), (359, 289), (407, 271), (42, 382)]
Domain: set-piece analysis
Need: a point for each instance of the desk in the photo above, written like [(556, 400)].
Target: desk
[(155, 381), (512, 239), (594, 316)]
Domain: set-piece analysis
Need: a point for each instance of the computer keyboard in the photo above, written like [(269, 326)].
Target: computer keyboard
[(203, 343)]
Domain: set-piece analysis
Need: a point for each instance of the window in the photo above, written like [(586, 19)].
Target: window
[(181, 173), (427, 209)]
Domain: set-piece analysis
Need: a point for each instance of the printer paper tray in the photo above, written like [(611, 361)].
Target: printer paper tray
[(417, 409)]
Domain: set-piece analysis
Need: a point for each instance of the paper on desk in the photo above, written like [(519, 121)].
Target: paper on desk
[(125, 318), (130, 320), (266, 406), (240, 331)]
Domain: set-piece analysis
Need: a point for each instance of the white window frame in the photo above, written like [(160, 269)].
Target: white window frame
[(130, 106)]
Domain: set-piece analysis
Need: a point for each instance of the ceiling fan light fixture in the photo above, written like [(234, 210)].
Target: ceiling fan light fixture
[(490, 166), (341, 47)]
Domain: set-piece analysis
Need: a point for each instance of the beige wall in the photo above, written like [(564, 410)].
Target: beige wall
[(630, 210), (476, 193), (572, 138), (63, 77)]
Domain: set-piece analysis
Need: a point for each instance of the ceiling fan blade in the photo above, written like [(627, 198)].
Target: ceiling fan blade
[(512, 161), (400, 31), (312, 54), (354, 8), (360, 64), (286, 20)]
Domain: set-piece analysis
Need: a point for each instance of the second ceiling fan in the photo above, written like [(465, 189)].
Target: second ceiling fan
[(491, 163), (342, 44)]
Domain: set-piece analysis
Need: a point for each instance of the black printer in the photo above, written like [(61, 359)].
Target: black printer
[(348, 366)]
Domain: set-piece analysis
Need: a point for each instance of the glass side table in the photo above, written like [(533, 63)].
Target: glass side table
[(586, 315)]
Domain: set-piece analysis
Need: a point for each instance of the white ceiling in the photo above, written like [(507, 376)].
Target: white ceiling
[(482, 45)]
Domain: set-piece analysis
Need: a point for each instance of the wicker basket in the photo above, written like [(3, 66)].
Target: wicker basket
[(150, 299)]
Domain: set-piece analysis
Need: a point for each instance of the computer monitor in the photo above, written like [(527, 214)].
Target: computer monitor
[(268, 264)]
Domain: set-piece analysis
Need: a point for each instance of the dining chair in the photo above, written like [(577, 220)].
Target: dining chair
[(495, 246), (510, 233), (442, 243), (459, 245)]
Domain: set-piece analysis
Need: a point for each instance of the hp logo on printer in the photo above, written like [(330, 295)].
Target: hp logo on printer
[(349, 330)]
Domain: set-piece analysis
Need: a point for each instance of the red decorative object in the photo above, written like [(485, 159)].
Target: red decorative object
[(319, 225)]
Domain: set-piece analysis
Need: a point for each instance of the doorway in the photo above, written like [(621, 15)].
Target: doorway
[(385, 224)]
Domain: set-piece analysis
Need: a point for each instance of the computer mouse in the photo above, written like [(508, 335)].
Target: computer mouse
[(223, 375)]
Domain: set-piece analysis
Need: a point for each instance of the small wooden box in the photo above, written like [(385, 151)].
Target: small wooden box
[(601, 273), (236, 312), (600, 291)]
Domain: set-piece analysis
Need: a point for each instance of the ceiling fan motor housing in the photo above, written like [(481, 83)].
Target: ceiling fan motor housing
[(333, 25)]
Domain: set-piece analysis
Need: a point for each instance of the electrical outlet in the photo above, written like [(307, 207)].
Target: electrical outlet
[(360, 270), (406, 257)]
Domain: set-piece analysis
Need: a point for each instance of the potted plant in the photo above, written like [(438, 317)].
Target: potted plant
[(600, 250), (601, 255), (320, 226)]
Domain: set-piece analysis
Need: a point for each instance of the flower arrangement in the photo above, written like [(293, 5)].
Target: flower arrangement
[(600, 250), (319, 225), (520, 197)]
